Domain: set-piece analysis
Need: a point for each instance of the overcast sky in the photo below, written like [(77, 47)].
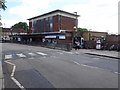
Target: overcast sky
[(96, 15)]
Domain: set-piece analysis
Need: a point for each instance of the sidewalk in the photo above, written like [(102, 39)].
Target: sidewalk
[(104, 53), (1, 76)]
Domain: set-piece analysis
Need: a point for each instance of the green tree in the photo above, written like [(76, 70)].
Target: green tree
[(81, 29), (2, 5), (20, 25)]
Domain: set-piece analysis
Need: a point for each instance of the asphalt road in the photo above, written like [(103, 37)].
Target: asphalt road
[(37, 67)]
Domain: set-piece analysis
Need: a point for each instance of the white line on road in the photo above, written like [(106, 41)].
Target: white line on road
[(32, 54), (84, 65), (21, 55), (67, 52), (116, 73), (8, 56), (41, 53), (12, 76), (76, 63), (13, 71), (88, 66), (59, 52), (96, 58), (91, 66)]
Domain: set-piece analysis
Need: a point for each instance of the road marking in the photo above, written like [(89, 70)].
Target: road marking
[(76, 63), (116, 73), (21, 55), (96, 58), (84, 65), (8, 56), (32, 54), (59, 52), (68, 52), (20, 86), (89, 66), (76, 53), (41, 53), (12, 76)]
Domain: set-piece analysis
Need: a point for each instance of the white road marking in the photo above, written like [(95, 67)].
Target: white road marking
[(8, 56), (14, 67), (41, 53), (84, 65), (116, 73), (12, 76), (59, 52), (21, 55), (67, 52), (88, 66), (76, 53), (76, 63), (96, 58), (32, 54), (20, 86)]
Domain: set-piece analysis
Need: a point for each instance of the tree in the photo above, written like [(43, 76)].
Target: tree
[(2, 5), (20, 25), (81, 29)]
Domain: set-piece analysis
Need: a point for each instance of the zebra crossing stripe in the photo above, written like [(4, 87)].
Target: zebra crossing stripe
[(8, 56), (32, 54), (41, 53), (21, 55)]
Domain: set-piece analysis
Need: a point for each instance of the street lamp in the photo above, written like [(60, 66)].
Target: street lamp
[(76, 20)]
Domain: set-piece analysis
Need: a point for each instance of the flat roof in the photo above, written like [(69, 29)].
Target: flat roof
[(53, 12)]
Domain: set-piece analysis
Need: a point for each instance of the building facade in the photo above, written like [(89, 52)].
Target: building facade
[(93, 35), (53, 22)]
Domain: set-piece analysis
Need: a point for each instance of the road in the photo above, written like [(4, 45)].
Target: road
[(37, 67)]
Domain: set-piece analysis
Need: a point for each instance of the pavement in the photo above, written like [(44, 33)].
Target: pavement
[(1, 76), (103, 53), (1, 72)]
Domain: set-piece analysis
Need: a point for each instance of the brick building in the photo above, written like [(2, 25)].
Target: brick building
[(55, 26), (53, 22)]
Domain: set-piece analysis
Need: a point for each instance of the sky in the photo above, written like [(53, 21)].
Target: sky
[(95, 15)]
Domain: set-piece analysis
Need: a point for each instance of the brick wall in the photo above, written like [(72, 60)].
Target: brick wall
[(67, 23), (112, 39), (55, 23)]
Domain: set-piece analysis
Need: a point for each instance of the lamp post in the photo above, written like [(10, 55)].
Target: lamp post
[(75, 28), (76, 23), (89, 34)]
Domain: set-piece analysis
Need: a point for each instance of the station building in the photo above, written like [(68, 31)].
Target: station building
[(55, 25)]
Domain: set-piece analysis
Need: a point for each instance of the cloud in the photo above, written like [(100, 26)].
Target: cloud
[(29, 8), (98, 15)]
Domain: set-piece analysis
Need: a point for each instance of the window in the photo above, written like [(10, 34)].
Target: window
[(33, 26), (47, 25), (51, 24), (39, 26)]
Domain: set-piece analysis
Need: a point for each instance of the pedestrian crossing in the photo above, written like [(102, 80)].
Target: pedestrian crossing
[(16, 55), (8, 56), (23, 55)]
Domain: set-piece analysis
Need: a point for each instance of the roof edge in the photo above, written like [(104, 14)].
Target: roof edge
[(58, 10)]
